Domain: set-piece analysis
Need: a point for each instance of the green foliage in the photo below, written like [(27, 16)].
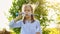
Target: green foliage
[(17, 30), (45, 31), (16, 6)]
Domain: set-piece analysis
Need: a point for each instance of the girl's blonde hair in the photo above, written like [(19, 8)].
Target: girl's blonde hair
[(32, 5), (24, 18)]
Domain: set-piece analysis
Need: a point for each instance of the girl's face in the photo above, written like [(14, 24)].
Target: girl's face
[(28, 11)]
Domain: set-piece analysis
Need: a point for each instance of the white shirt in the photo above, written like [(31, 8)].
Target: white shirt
[(28, 27)]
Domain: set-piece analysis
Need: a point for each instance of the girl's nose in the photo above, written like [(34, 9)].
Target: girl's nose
[(26, 11)]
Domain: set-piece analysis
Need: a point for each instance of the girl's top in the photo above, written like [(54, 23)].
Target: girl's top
[(28, 27)]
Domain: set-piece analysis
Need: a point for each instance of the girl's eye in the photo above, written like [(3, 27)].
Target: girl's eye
[(27, 10), (24, 10)]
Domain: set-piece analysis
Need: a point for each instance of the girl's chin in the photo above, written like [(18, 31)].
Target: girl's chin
[(28, 16)]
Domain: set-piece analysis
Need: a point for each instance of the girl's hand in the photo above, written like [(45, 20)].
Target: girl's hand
[(18, 17), (37, 32)]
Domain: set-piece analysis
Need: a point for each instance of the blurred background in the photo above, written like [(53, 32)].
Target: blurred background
[(48, 14)]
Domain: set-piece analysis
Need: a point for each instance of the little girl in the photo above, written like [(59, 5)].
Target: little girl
[(28, 24)]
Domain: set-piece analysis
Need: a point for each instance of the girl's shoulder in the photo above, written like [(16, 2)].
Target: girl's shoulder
[(36, 20), (19, 21)]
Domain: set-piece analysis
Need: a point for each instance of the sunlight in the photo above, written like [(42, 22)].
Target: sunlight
[(52, 15), (4, 7), (53, 1), (52, 25)]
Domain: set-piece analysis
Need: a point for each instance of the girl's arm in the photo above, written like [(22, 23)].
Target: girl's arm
[(14, 24), (38, 28)]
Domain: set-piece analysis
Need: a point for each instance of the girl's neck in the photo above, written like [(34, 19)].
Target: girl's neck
[(28, 18)]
